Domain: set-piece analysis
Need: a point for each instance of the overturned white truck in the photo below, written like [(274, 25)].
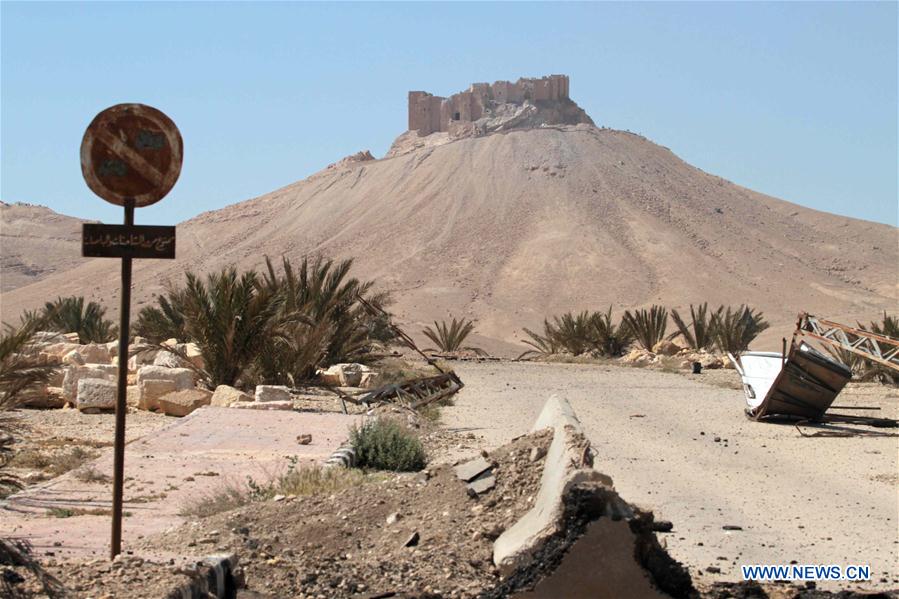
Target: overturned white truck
[(803, 382)]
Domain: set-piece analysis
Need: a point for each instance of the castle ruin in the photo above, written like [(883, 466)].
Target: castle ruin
[(430, 114)]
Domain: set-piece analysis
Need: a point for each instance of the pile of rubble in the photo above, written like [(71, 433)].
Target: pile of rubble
[(161, 378), (667, 352)]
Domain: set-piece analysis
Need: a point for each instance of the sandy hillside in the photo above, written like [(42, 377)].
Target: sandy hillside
[(36, 242), (513, 226)]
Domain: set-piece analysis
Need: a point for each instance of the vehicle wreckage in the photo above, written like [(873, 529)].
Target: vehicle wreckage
[(802, 383)]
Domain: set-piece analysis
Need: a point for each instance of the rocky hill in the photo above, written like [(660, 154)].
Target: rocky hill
[(36, 242), (512, 226)]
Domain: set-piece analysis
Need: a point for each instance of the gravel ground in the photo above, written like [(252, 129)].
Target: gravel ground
[(684, 449)]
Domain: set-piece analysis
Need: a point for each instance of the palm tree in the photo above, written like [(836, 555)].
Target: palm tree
[(20, 369), (164, 322), (320, 318), (71, 315), (231, 319), (606, 338), (647, 326), (450, 337), (734, 329), (700, 333), (543, 345)]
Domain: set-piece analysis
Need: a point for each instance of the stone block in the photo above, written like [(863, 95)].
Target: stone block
[(193, 353), (150, 390), (132, 396), (225, 396), (344, 375), (272, 393), (167, 359), (75, 373), (182, 377), (182, 403), (73, 358), (263, 405), (95, 394), (94, 353)]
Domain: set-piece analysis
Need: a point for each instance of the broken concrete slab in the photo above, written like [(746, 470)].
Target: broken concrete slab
[(482, 484), (469, 470), (568, 465)]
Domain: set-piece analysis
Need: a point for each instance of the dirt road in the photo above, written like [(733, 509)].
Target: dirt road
[(684, 449)]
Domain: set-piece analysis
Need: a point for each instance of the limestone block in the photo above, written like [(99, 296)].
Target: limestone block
[(150, 390), (140, 355), (88, 371), (263, 405), (182, 403), (168, 360), (95, 394), (345, 375), (61, 349), (74, 358), (182, 377), (272, 393), (193, 353), (225, 396), (132, 396), (48, 337), (94, 353), (72, 337)]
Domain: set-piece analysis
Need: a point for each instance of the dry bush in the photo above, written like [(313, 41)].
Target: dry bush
[(54, 464), (300, 481), (90, 474)]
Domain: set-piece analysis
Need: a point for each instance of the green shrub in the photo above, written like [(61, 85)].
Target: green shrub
[(450, 337), (386, 445), (647, 326)]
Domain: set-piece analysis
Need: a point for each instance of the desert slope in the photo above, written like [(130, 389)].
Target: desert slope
[(36, 242), (513, 226)]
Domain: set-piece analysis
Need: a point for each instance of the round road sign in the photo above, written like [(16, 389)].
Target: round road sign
[(131, 152)]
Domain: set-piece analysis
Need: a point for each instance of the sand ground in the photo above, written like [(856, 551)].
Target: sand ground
[(684, 449)]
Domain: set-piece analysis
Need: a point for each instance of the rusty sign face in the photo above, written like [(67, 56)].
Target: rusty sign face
[(131, 152), (127, 241)]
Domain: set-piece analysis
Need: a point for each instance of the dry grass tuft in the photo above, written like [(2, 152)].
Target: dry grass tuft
[(300, 481), (55, 463)]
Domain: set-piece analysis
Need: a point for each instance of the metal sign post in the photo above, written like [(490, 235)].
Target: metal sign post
[(130, 156)]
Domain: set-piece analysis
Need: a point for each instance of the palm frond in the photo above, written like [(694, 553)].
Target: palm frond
[(647, 326)]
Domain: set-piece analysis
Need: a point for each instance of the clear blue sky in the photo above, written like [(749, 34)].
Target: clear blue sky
[(795, 100)]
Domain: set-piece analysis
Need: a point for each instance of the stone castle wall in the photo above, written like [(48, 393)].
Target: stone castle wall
[(429, 114)]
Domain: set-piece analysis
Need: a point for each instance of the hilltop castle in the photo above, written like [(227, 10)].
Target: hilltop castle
[(429, 114)]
